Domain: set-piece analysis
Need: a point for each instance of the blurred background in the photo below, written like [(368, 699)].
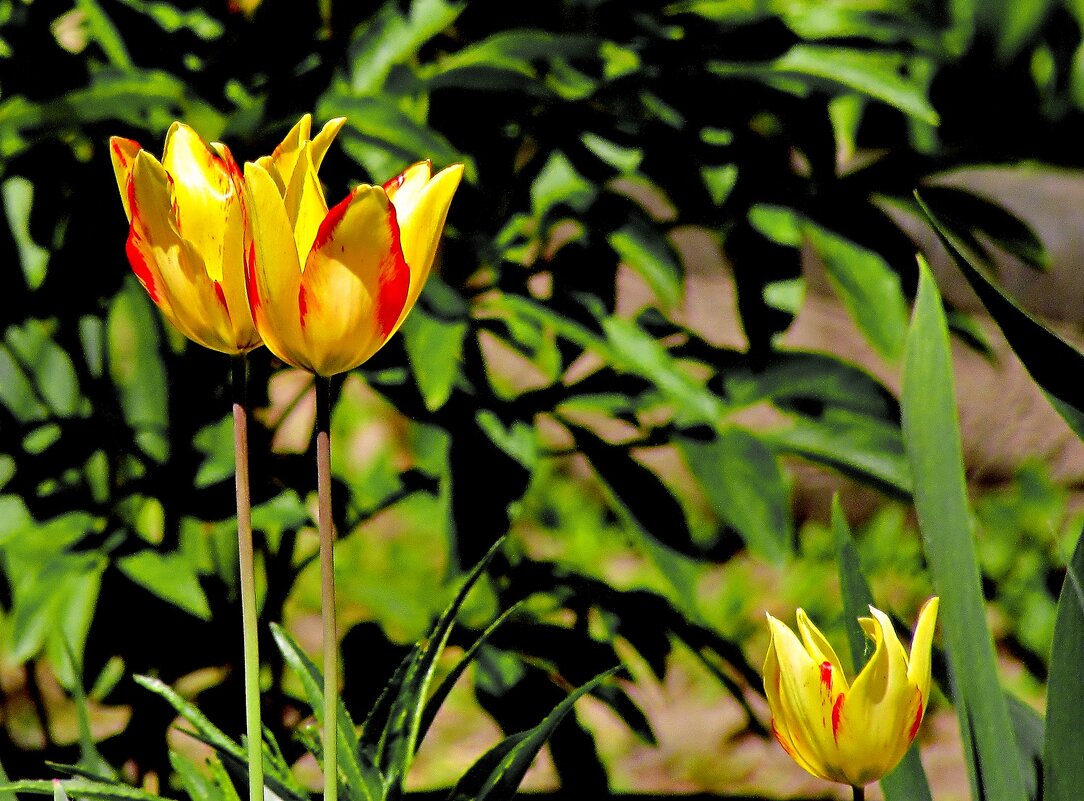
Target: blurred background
[(666, 326)]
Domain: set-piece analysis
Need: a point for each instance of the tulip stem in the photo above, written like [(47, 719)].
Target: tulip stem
[(859, 793), (327, 586), (246, 562)]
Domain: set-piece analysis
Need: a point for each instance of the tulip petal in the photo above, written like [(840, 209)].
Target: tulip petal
[(202, 190), (355, 282), (404, 189), (233, 258), (806, 702), (322, 141), (169, 267), (781, 727), (272, 270), (918, 667), (421, 216), (123, 152), (280, 164), (305, 204), (879, 712), (821, 650)]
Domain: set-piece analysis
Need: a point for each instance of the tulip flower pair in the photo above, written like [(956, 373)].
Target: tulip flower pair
[(237, 259), (233, 261), (853, 733)]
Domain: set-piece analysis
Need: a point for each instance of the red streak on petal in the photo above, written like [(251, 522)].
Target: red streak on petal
[(826, 676), (780, 740), (302, 304), (250, 277), (221, 296), (121, 157), (918, 719), (394, 281), (837, 711), (331, 222), (139, 264)]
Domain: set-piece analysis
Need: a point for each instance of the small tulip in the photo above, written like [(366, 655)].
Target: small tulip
[(186, 235), (328, 287), (848, 733)]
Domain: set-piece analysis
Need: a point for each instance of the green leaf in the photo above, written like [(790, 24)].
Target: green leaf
[(398, 137), (932, 439), (434, 348), (875, 73), (878, 74), (559, 182), (1063, 758), (362, 782), (197, 785), (1029, 730), (968, 215), (18, 197), (514, 50), (868, 287), (80, 788), (907, 781), (851, 442), (1049, 359), (391, 38), (746, 488), (136, 367), (405, 697), (498, 773), (440, 695), (102, 30), (643, 249), (170, 576), (622, 159), (186, 709)]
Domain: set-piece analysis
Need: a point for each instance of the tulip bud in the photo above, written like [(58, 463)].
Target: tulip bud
[(185, 235), (328, 287), (848, 733)]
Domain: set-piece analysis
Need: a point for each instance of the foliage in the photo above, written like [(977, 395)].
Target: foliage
[(524, 394)]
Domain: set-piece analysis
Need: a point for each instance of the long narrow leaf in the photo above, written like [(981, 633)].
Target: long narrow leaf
[(932, 439), (498, 773), (210, 732), (1063, 758), (397, 744), (907, 782), (440, 695), (361, 785), (1052, 362), (82, 788)]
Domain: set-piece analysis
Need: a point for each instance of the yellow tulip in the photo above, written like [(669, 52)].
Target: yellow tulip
[(186, 235), (848, 733), (328, 287)]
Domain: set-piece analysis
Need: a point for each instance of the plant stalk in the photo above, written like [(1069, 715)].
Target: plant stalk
[(247, 570), (327, 587), (859, 793)]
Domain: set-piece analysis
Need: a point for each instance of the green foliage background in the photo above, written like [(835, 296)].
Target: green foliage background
[(517, 398)]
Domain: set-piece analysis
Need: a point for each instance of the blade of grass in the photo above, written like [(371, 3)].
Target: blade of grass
[(932, 439), (1063, 758)]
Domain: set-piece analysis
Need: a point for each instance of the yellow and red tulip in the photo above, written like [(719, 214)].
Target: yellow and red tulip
[(853, 733), (328, 287), (186, 235)]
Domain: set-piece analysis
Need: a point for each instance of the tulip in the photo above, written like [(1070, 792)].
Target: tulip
[(328, 287), (186, 235), (848, 733)]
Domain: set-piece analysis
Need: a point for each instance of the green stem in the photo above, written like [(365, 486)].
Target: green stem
[(327, 586), (245, 558), (859, 793)]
